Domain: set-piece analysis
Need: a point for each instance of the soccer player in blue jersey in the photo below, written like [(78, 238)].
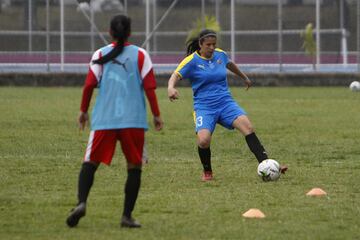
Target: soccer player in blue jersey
[(206, 68), (123, 73)]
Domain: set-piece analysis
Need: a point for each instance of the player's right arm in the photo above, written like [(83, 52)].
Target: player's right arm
[(172, 92), (182, 71)]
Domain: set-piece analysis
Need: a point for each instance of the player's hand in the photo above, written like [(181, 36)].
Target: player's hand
[(82, 120), (173, 94), (158, 123), (248, 83)]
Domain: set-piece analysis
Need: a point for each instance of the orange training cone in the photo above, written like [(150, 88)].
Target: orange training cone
[(254, 213), (316, 192)]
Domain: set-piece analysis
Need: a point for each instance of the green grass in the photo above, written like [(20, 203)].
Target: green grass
[(313, 130)]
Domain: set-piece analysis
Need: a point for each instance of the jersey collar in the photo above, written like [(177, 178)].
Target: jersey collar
[(207, 59)]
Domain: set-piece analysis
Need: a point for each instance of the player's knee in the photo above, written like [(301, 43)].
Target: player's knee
[(246, 128), (204, 142), (134, 166), (92, 163), (249, 129)]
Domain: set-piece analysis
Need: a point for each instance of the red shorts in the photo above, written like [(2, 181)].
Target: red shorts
[(101, 145)]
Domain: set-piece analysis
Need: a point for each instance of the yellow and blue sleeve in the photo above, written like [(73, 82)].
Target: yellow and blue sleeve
[(184, 68)]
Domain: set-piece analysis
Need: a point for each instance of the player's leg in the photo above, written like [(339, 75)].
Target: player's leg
[(203, 142), (205, 122), (86, 179), (100, 148), (233, 116), (132, 144), (243, 124)]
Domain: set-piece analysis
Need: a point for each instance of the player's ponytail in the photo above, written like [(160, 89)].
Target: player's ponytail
[(193, 44), (120, 28)]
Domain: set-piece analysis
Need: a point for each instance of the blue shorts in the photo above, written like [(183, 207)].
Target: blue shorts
[(206, 118)]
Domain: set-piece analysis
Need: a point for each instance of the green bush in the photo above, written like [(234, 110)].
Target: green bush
[(309, 44)]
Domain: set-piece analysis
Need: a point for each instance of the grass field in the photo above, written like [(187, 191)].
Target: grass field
[(313, 130)]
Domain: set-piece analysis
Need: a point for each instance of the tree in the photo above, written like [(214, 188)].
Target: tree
[(309, 44), (209, 22)]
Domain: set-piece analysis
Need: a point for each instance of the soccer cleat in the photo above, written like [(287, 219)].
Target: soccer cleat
[(75, 215), (207, 176), (129, 222), (283, 169)]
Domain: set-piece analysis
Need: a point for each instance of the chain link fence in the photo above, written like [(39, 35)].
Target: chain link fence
[(60, 35)]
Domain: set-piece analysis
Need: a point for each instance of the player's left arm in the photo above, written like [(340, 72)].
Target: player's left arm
[(236, 70), (149, 84)]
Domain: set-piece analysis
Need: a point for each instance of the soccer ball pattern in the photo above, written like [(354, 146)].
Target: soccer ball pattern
[(269, 170)]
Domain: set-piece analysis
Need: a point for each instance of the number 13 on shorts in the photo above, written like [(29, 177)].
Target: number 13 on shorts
[(198, 120)]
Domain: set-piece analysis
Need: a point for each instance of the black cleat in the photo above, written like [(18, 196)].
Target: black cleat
[(75, 215), (129, 222)]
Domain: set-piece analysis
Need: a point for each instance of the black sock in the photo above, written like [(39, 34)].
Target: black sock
[(132, 187), (205, 158), (86, 179), (256, 147)]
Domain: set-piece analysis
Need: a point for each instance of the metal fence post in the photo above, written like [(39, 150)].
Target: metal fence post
[(92, 17), (232, 30), (62, 35), (280, 35), (30, 25), (147, 24), (47, 36), (154, 13), (217, 11), (317, 34), (343, 34)]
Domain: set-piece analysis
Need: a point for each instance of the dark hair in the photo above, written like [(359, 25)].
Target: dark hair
[(193, 44), (120, 28)]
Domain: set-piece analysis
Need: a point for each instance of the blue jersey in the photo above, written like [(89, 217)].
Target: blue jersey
[(120, 102), (208, 78)]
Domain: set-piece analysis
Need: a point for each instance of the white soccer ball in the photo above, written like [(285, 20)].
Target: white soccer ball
[(355, 86), (269, 170)]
